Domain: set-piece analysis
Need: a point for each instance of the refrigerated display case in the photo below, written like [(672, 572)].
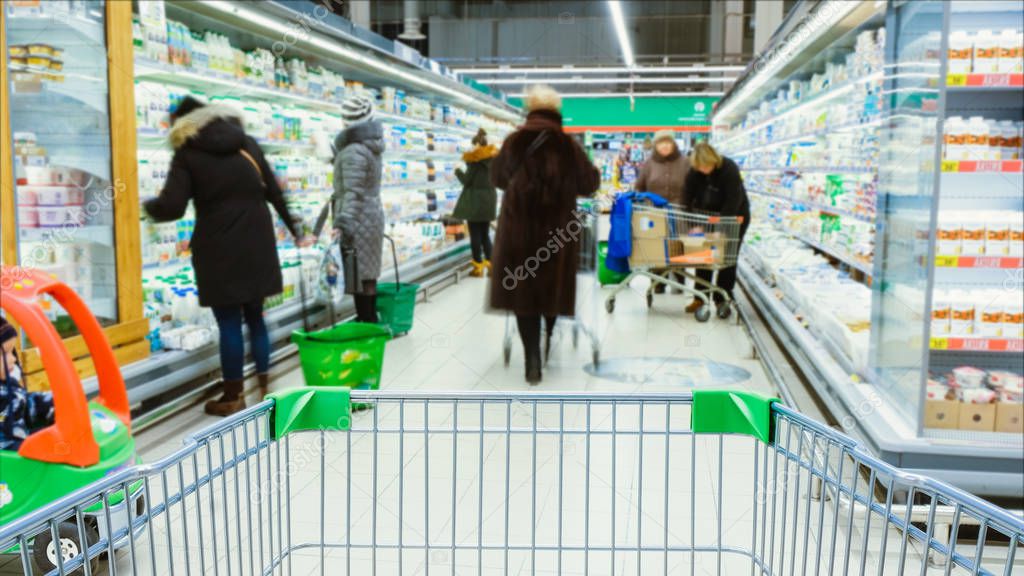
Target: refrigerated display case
[(897, 290), (65, 189)]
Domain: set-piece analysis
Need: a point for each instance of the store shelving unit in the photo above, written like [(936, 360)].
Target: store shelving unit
[(101, 84), (884, 400)]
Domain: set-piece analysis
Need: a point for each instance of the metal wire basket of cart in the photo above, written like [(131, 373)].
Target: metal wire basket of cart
[(586, 216), (499, 483), (669, 244)]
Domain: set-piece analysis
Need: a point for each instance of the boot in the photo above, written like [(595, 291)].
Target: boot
[(264, 383), (533, 367), (547, 347), (230, 402), (694, 306), (478, 269), (487, 267)]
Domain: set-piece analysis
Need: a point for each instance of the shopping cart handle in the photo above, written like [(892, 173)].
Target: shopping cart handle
[(732, 412), (310, 408)]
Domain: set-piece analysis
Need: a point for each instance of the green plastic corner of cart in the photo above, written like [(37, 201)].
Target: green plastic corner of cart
[(311, 408), (732, 412)]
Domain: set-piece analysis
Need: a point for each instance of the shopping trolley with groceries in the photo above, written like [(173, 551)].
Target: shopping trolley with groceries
[(670, 244)]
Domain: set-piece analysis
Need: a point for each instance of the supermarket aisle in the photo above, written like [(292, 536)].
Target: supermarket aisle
[(456, 345)]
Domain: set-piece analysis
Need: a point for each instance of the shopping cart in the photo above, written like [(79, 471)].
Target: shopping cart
[(527, 483), (671, 244), (586, 276)]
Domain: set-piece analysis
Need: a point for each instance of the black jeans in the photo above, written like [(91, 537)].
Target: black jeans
[(232, 347), (726, 276), (480, 240), (529, 331)]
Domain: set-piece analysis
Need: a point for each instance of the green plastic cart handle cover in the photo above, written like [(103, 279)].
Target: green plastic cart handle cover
[(311, 408), (732, 412)]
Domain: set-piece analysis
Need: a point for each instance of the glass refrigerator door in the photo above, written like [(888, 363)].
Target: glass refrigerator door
[(57, 58)]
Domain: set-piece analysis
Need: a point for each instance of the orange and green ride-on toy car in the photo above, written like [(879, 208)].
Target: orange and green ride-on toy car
[(87, 440)]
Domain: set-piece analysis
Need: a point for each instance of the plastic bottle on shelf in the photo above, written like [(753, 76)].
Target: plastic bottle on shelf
[(961, 48)]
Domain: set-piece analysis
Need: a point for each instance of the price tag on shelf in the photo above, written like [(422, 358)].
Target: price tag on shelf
[(956, 80), (1015, 345), (950, 166), (995, 80), (947, 261), (939, 344)]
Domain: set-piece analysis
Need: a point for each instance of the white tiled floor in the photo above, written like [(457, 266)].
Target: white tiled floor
[(556, 489)]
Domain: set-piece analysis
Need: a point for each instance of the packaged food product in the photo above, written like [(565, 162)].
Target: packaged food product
[(948, 238), (968, 377), (57, 216), (961, 322), (1013, 318), (961, 49), (989, 316), (16, 50), (955, 138), (1011, 51), (54, 195), (977, 139), (986, 52), (995, 140), (28, 217), (1015, 245), (973, 236), (997, 235), (1008, 147), (977, 395), (940, 314), (1006, 379)]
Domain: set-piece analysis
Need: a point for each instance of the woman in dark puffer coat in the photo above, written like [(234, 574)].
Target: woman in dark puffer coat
[(542, 171), (234, 248)]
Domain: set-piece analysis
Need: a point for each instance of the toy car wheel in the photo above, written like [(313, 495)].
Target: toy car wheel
[(44, 549)]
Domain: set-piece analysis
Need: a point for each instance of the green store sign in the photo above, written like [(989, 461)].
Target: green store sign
[(641, 115)]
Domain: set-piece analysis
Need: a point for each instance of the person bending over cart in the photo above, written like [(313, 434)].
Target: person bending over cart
[(714, 185), (21, 411), (542, 171)]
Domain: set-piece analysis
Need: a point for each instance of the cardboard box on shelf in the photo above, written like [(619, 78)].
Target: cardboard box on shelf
[(942, 414), (979, 417), (1010, 417), (653, 251)]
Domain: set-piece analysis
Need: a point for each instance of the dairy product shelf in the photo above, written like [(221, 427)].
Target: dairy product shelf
[(816, 206)]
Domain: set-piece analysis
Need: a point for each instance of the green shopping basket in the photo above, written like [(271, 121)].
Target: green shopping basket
[(605, 276), (349, 354), (396, 302)]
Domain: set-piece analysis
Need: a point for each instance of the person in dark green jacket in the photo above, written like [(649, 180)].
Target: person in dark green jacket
[(478, 201)]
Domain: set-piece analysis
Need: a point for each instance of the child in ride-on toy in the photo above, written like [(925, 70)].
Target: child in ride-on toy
[(21, 411)]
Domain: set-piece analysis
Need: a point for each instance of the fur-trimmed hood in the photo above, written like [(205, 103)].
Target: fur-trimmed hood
[(215, 128), (480, 153)]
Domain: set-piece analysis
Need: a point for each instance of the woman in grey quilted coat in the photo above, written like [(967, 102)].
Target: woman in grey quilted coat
[(358, 212)]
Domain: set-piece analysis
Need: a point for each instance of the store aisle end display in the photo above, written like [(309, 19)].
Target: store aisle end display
[(291, 107)]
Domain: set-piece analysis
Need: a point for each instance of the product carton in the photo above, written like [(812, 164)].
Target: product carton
[(714, 243), (980, 417), (653, 251), (1010, 417), (650, 224), (941, 414)]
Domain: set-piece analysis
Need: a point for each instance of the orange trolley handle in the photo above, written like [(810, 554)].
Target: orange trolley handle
[(69, 440)]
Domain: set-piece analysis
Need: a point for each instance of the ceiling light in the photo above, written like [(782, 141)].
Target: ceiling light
[(615, 7), (600, 70), (552, 81)]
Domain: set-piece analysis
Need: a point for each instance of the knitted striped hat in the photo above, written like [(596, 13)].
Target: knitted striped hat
[(357, 108)]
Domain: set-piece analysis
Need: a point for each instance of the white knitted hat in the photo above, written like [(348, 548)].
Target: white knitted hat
[(357, 108)]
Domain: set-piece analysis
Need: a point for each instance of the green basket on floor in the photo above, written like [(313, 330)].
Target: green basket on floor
[(349, 354), (396, 302), (605, 276)]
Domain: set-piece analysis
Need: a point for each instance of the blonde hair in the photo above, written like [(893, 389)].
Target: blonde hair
[(705, 156), (542, 97)]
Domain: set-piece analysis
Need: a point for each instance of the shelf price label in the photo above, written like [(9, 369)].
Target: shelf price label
[(939, 343), (947, 261), (956, 80), (950, 166)]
